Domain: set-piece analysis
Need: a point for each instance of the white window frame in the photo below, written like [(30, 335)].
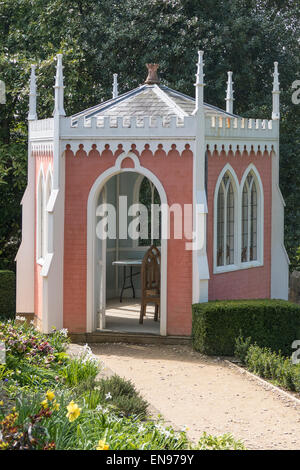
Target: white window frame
[(235, 185), (238, 191), (48, 189), (260, 218)]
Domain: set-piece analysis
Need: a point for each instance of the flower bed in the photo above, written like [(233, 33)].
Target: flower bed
[(49, 401)]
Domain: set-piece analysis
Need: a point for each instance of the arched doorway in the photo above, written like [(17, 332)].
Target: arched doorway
[(93, 251)]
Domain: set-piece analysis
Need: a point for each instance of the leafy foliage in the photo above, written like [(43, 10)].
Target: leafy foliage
[(224, 442), (7, 293), (98, 38)]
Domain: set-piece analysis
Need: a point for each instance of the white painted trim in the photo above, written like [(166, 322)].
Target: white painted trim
[(40, 222), (91, 230), (48, 190)]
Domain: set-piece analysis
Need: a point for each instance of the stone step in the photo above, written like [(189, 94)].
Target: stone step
[(131, 338)]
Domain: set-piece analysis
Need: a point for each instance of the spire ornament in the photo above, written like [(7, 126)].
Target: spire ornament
[(229, 94), (115, 92), (59, 89), (32, 115), (199, 81), (276, 93)]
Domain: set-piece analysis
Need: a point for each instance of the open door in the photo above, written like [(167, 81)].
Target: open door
[(101, 268)]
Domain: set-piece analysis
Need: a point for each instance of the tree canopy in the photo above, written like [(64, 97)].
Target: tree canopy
[(102, 37)]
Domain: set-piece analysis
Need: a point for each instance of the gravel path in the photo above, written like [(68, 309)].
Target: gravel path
[(205, 394)]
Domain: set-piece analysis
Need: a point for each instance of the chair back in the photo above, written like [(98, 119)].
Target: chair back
[(151, 270)]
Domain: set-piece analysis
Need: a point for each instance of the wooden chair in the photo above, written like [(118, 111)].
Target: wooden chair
[(150, 281)]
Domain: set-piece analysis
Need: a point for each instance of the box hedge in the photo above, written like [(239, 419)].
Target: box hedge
[(7, 294), (273, 324)]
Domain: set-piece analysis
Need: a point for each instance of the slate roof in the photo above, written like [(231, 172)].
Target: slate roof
[(150, 100)]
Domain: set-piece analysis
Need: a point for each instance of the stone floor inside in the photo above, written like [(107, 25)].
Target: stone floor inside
[(124, 317)]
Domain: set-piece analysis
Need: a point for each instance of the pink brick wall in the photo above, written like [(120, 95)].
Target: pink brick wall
[(252, 282), (175, 174)]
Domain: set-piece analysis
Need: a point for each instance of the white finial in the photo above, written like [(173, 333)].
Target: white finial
[(115, 92), (276, 93), (2, 92), (32, 96), (59, 88), (229, 94), (199, 80)]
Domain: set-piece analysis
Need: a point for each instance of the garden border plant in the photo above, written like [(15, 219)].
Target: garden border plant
[(268, 364), (49, 400)]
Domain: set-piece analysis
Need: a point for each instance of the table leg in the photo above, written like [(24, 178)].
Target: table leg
[(124, 281), (131, 282)]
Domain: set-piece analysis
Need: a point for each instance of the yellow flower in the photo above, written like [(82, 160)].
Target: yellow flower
[(1, 403), (73, 411), (3, 445), (44, 403), (50, 395), (102, 446)]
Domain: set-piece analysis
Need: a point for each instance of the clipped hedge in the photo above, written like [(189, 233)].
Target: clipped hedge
[(272, 324), (7, 293)]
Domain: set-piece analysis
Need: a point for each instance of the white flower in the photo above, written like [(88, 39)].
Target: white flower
[(64, 331), (18, 317), (108, 396)]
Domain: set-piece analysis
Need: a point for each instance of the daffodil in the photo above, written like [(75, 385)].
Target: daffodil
[(50, 395), (1, 403), (102, 446), (44, 403), (73, 411)]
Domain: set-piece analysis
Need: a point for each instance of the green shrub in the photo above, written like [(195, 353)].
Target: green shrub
[(241, 348), (270, 323), (7, 294), (273, 366), (122, 394)]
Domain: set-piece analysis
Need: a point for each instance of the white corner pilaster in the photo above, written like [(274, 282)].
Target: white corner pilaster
[(279, 257), (200, 264), (25, 257), (53, 268)]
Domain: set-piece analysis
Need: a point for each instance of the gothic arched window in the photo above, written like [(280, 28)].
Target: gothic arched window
[(225, 222), (249, 220)]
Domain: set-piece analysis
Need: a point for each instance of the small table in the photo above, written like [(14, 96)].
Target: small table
[(130, 263)]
